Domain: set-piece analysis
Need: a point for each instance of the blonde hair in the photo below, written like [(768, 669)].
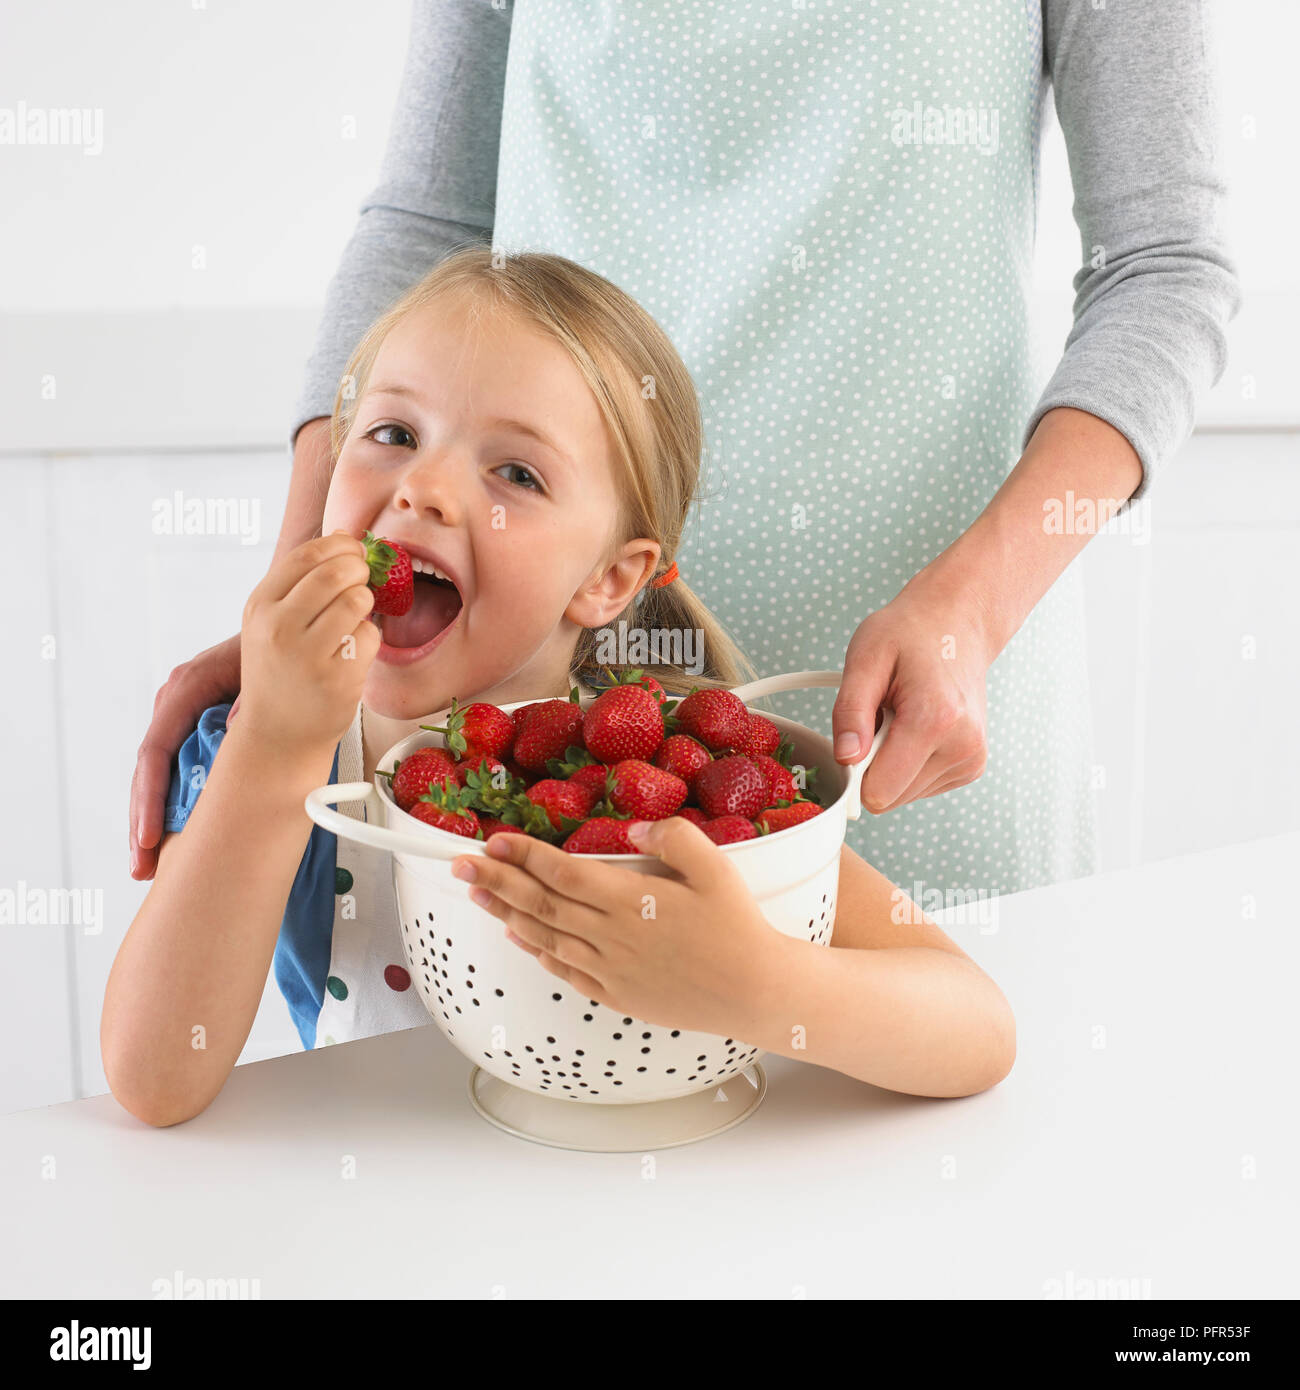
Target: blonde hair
[(651, 412)]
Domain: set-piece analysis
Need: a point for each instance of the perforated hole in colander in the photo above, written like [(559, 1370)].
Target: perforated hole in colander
[(821, 926)]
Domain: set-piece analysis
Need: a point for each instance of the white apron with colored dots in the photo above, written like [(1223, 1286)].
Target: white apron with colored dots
[(849, 285), (368, 989)]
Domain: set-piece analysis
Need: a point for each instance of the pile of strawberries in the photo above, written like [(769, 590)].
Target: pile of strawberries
[(578, 778)]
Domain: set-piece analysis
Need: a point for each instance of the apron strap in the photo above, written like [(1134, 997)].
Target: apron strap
[(351, 765)]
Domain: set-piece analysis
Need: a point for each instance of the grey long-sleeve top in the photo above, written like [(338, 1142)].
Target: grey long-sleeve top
[(1136, 103)]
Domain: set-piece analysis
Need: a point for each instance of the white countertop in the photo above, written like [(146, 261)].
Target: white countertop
[(1168, 1155)]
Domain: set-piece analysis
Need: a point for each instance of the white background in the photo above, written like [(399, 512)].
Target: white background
[(253, 131)]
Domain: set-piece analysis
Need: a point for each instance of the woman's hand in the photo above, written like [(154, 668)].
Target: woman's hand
[(209, 679), (307, 645), (689, 952), (925, 656)]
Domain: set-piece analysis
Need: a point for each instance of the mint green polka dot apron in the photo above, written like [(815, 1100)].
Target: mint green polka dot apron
[(846, 273)]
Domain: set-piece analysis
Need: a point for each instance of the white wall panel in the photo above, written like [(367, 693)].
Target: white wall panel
[(38, 1052), (1194, 654)]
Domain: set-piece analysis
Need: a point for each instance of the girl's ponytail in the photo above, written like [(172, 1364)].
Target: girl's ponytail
[(669, 633)]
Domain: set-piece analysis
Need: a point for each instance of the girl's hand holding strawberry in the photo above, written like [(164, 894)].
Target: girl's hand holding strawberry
[(691, 951), (307, 644)]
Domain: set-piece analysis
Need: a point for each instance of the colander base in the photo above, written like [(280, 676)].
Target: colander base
[(616, 1129)]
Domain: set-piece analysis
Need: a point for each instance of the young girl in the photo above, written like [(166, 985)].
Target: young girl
[(528, 433)]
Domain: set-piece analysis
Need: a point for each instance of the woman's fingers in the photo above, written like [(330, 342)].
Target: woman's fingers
[(931, 734), (941, 774), (868, 669), (210, 678), (149, 785), (912, 738)]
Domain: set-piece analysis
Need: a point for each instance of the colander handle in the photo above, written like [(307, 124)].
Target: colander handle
[(792, 680), (808, 680), (858, 770), (319, 806)]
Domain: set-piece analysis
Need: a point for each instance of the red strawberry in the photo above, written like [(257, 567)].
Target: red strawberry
[(592, 776), (418, 770), (759, 736), (645, 792), (559, 798), (728, 830), (603, 835), (683, 756), (390, 576), (484, 763), (636, 676), (715, 717), (490, 826), (574, 760), (517, 716), (782, 817), (693, 814), (551, 727), (779, 779), (478, 729), (731, 786), (447, 808), (623, 722)]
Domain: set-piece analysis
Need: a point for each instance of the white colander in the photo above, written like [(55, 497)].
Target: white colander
[(539, 1044)]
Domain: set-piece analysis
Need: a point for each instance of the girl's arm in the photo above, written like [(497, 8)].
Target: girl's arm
[(188, 978), (892, 1001)]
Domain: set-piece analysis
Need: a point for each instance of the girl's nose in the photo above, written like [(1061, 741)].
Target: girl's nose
[(431, 488)]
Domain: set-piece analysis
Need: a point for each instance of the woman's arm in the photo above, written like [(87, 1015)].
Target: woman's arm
[(437, 185), (1022, 542), (1135, 91), (892, 1001), (309, 485), (187, 980)]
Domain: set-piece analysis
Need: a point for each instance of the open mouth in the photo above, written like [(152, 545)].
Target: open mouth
[(416, 633)]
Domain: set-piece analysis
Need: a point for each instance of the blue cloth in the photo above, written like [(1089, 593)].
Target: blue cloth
[(302, 950)]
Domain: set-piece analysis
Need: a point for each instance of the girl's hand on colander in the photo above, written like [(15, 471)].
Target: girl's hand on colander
[(306, 646), (925, 656), (688, 952)]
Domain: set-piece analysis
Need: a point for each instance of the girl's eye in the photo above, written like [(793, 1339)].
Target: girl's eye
[(407, 438), (521, 476)]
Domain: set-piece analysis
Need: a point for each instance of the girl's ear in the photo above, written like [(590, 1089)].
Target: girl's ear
[(608, 590)]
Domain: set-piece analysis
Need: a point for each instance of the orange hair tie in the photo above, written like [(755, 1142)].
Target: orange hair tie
[(666, 577)]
